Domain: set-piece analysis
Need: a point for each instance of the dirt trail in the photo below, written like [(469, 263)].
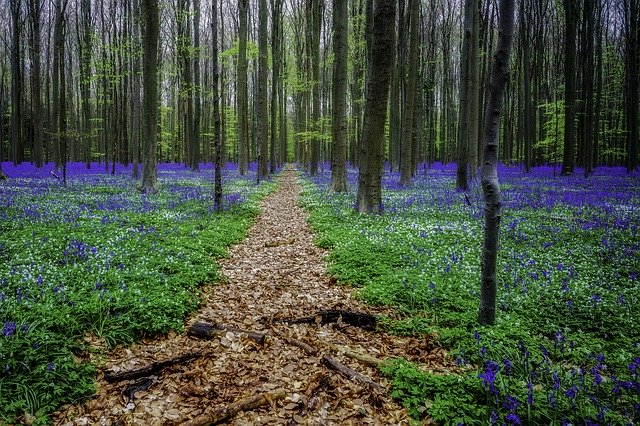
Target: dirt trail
[(276, 272)]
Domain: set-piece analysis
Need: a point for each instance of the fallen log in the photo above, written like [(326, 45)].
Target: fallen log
[(150, 369), (310, 350), (356, 319), (347, 372), (348, 352), (202, 330), (140, 385), (222, 414)]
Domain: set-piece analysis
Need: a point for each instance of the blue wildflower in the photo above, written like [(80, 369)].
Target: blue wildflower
[(572, 392), (9, 328), (513, 419), (511, 403)]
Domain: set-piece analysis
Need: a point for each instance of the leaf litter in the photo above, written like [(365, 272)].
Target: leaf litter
[(276, 273)]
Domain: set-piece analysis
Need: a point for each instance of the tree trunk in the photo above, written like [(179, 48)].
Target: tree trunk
[(315, 17), (369, 198), (36, 97), (150, 16), (571, 19), (135, 91), (217, 193), (489, 171), (339, 96), (276, 12), (17, 140), (412, 92), (632, 64), (195, 126), (243, 105), (84, 45), (263, 118)]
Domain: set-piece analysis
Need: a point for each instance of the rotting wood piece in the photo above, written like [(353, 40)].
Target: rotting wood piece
[(140, 385), (347, 372), (314, 396), (348, 352), (356, 319), (203, 330), (150, 369), (222, 414), (278, 243), (310, 350)]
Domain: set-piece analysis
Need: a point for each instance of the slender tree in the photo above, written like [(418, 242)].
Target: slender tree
[(263, 118), (571, 23), (150, 15), (242, 97), (489, 170), (369, 198), (215, 81), (411, 98), (339, 96), (17, 139), (315, 18)]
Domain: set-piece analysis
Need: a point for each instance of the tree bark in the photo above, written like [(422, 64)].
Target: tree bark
[(150, 15), (412, 93), (263, 118), (35, 7), (339, 96), (369, 198), (217, 197), (571, 20), (243, 105), (489, 171), (17, 140), (315, 17)]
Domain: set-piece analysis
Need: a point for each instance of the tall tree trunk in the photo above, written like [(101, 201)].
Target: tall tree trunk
[(263, 118), (35, 7), (489, 170), (276, 12), (243, 101), (473, 92), (17, 138), (632, 64), (412, 92), (84, 45), (315, 16), (369, 198), (135, 91), (571, 22), (217, 192), (195, 136), (150, 16), (339, 96)]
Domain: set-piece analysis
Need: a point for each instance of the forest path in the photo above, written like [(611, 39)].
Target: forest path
[(276, 272)]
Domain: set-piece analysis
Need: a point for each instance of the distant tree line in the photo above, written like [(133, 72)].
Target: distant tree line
[(286, 80)]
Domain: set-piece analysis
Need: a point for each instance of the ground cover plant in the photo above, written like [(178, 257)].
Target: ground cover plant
[(97, 258), (565, 348)]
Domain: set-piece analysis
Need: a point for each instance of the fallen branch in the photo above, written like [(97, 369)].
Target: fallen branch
[(139, 386), (221, 414), (202, 330), (356, 319), (310, 350), (314, 396), (348, 352), (55, 175), (3, 176), (278, 243), (347, 372), (149, 369)]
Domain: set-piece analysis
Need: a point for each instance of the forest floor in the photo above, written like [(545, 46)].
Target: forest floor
[(276, 273)]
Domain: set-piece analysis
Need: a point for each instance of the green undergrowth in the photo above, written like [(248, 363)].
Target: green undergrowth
[(116, 272), (565, 345)]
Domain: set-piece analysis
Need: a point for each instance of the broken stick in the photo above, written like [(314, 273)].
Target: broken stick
[(356, 319), (348, 352), (149, 369), (310, 350), (202, 330), (221, 414), (349, 373)]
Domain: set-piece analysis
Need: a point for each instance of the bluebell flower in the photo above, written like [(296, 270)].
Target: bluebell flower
[(552, 400), (572, 392), (513, 419), (51, 366), (511, 403), (493, 417), (508, 366), (9, 328)]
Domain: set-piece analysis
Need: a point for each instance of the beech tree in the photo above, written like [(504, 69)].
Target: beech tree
[(375, 108), (150, 16), (489, 169), (339, 96)]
